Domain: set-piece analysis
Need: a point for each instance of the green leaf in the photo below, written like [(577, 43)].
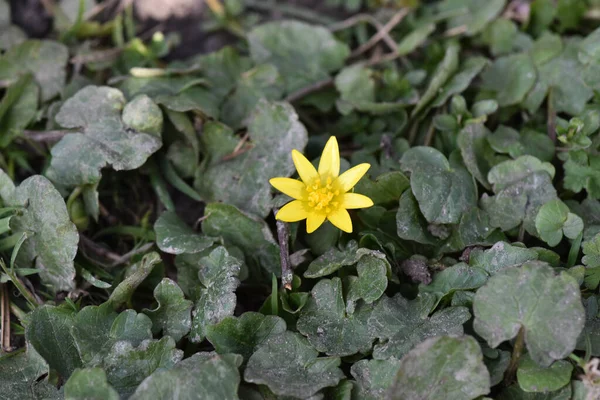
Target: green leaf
[(52, 237), (244, 334), (385, 189), (444, 190), (474, 229), (127, 366), (497, 362), (250, 234), (553, 219), (45, 59), (19, 373), (510, 78), (289, 366), (372, 278), (531, 297), (173, 236), (7, 188), (521, 187), (582, 172), (243, 181), (461, 80), (356, 85), (410, 223), (455, 278), (254, 86), (591, 330), (327, 324), (89, 384), (476, 153), (48, 333), (161, 86), (422, 376), (18, 108), (483, 108), (533, 378), (501, 255), (195, 98), (173, 315), (441, 75), (373, 378), (96, 329), (332, 260), (473, 14), (401, 324), (591, 251), (414, 39), (182, 123), (303, 54), (143, 115), (223, 69), (357, 89), (500, 35), (123, 292), (546, 47), (508, 141), (219, 275), (201, 376), (565, 77), (10, 35), (592, 278), (102, 137), (514, 392)]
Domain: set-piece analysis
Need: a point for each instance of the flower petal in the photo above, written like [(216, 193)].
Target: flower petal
[(348, 179), (305, 169), (292, 212), (330, 159), (355, 200), (341, 219), (292, 187), (314, 221)]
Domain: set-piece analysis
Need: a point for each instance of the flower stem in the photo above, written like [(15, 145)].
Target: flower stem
[(283, 235), (511, 371)]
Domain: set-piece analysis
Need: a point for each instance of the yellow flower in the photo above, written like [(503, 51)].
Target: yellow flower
[(322, 194)]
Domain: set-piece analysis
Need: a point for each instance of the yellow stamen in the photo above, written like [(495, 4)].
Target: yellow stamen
[(320, 197)]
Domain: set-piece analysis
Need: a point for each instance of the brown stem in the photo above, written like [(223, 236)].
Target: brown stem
[(430, 133), (283, 235), (297, 95), (127, 256), (511, 371), (97, 249), (45, 136), (5, 318)]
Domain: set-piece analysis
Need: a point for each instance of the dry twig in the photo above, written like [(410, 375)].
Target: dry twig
[(381, 33)]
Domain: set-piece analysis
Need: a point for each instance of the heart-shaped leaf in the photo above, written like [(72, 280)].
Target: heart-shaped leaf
[(533, 298), (422, 376), (443, 189), (102, 136), (203, 375), (289, 366)]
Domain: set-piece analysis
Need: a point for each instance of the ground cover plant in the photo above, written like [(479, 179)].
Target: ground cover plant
[(378, 199)]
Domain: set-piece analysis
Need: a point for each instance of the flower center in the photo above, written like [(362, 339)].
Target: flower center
[(320, 197)]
